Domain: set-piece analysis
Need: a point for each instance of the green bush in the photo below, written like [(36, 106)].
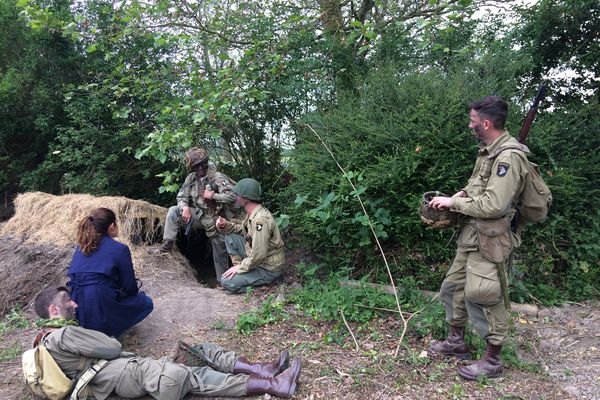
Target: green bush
[(404, 134)]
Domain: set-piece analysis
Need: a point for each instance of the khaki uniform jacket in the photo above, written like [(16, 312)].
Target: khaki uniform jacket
[(75, 349), (264, 246), (493, 189)]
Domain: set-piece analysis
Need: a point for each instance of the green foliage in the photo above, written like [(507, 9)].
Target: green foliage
[(34, 69), (404, 133), (12, 352), (326, 301), (269, 312), (15, 319)]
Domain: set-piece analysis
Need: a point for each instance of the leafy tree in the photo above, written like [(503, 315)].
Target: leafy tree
[(34, 70), (563, 40)]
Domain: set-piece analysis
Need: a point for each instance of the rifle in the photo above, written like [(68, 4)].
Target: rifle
[(514, 224), (531, 114)]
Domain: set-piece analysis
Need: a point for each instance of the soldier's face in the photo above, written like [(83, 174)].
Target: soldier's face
[(65, 306), (201, 169), (476, 124)]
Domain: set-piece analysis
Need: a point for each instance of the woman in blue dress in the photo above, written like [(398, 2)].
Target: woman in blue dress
[(102, 279)]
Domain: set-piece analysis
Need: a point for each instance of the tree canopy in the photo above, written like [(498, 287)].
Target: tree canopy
[(104, 97)]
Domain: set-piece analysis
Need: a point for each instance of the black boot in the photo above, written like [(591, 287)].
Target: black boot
[(489, 365), (243, 366), (454, 345), (282, 385), (165, 247)]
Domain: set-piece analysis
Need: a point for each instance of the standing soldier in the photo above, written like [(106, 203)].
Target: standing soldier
[(259, 258), (475, 285), (205, 195)]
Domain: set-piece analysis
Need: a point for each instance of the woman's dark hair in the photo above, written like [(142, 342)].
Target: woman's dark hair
[(93, 227)]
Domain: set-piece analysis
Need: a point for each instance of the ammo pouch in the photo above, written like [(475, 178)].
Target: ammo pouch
[(494, 238)]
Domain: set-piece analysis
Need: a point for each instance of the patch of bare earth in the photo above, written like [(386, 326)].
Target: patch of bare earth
[(563, 342)]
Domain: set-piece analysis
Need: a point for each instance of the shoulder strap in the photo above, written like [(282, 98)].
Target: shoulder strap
[(86, 377), (42, 335), (509, 146)]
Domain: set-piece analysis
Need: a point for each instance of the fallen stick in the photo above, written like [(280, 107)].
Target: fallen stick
[(526, 309)]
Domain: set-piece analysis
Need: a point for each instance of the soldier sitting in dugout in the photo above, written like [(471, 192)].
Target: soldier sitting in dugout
[(205, 195), (224, 373)]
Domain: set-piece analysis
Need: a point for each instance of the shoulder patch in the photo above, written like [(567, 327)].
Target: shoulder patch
[(259, 227), (502, 169)]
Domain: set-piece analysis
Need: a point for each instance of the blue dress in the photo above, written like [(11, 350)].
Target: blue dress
[(104, 287)]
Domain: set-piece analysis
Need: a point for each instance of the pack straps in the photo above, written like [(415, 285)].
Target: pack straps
[(509, 146), (86, 377)]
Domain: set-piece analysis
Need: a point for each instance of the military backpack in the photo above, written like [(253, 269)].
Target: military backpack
[(536, 198), (45, 379)]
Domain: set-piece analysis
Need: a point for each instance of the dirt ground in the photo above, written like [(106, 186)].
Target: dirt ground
[(563, 342)]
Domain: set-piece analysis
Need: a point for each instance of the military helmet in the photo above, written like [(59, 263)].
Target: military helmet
[(249, 189), (195, 156), (433, 217)]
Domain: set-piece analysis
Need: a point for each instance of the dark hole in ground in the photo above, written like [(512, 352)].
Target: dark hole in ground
[(196, 248)]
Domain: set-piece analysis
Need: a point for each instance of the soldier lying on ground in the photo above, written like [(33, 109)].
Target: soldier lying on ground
[(75, 349)]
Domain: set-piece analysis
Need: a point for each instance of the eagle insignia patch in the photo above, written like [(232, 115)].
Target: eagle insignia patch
[(259, 227), (502, 169)]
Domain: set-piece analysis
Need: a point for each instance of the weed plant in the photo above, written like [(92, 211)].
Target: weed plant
[(15, 319)]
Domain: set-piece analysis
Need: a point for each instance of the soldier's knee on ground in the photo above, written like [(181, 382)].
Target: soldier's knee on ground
[(232, 285)]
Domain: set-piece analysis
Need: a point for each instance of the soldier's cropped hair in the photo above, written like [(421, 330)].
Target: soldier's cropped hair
[(45, 298), (493, 108)]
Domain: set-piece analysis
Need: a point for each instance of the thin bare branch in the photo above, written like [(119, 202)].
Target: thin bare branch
[(404, 321), (349, 330)]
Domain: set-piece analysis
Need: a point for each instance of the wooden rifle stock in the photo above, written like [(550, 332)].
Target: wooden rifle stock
[(531, 114)]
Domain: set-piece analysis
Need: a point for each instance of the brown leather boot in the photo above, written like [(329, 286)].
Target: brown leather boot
[(489, 365), (165, 247), (282, 385), (454, 345), (243, 366)]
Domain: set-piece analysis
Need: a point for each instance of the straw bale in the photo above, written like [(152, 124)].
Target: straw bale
[(42, 218)]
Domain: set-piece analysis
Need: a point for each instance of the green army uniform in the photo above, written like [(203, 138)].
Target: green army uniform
[(204, 212), (262, 254), (472, 287), (75, 349)]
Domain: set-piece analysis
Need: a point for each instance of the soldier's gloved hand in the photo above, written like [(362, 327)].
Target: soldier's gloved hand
[(127, 354)]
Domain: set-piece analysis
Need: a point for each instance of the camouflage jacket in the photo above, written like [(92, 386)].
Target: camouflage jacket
[(192, 191)]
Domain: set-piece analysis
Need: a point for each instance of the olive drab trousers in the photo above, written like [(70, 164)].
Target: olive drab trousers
[(235, 245), (472, 290), (164, 380)]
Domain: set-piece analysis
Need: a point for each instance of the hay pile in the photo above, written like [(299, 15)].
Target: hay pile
[(38, 241), (47, 218)]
